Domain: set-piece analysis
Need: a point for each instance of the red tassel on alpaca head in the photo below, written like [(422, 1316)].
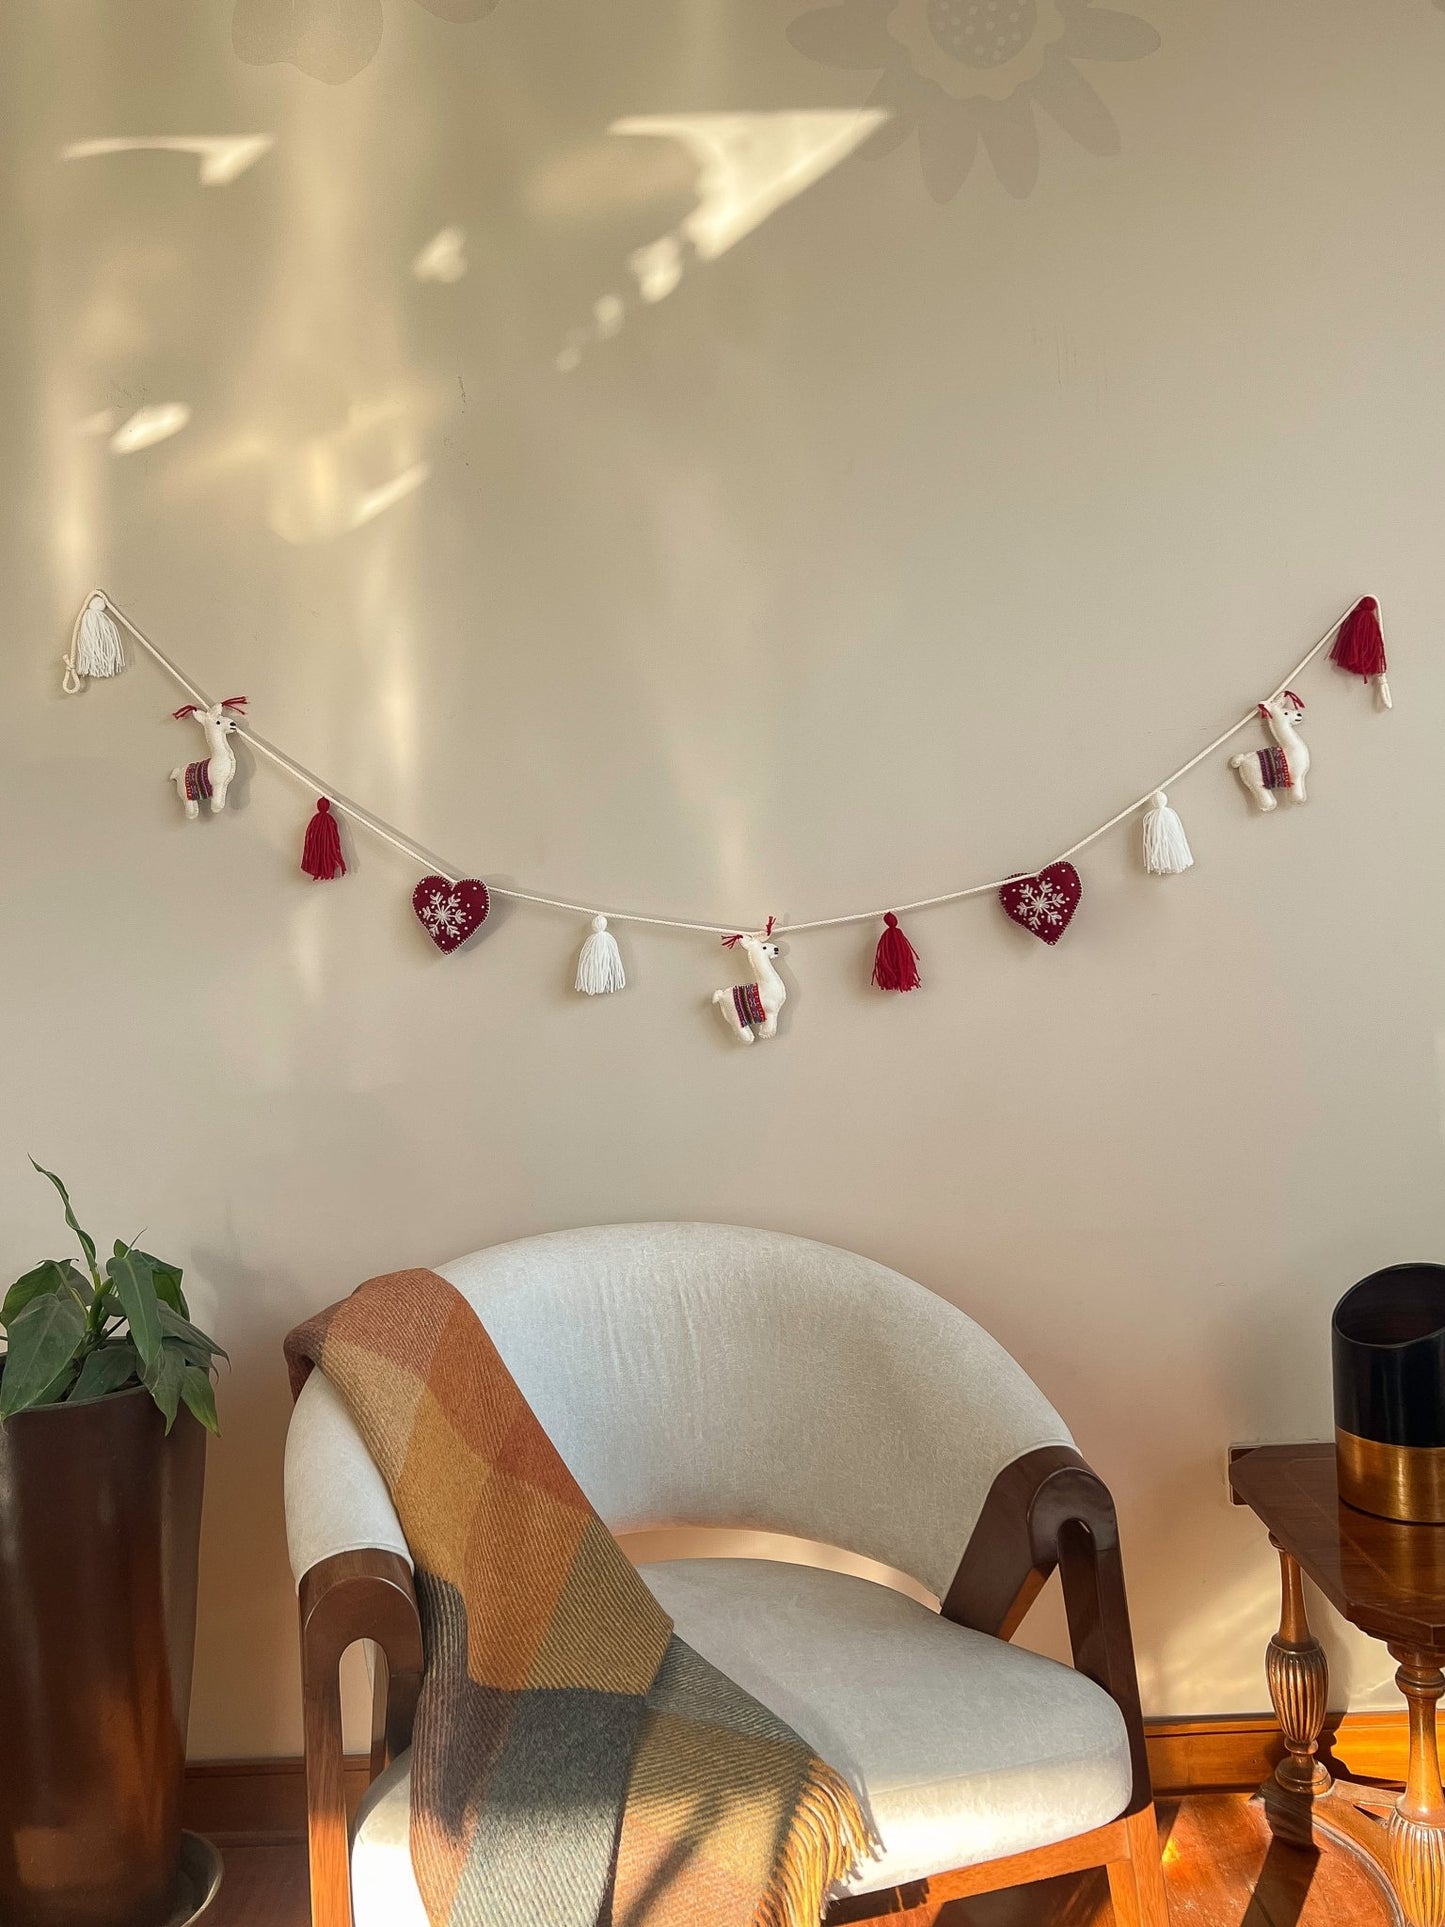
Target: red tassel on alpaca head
[(1360, 647), (895, 963), (321, 853)]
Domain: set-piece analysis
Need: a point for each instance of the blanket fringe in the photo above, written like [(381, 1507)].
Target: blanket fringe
[(828, 1838)]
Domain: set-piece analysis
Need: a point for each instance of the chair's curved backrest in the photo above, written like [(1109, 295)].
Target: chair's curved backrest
[(707, 1375)]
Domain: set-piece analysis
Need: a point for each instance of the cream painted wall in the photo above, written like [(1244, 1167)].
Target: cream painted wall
[(904, 539)]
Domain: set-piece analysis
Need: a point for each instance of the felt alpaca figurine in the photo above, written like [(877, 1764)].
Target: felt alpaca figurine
[(752, 1009), (1283, 766), (211, 778)]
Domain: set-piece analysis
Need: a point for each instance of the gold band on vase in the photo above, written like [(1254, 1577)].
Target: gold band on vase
[(1405, 1482)]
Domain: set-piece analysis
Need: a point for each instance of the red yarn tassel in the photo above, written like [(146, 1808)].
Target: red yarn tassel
[(321, 854), (895, 963), (1360, 646)]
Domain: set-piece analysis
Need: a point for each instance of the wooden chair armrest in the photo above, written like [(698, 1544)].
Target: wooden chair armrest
[(1046, 1510), (351, 1596)]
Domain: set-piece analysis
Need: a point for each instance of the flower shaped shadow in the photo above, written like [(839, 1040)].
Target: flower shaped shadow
[(331, 40), (965, 74)]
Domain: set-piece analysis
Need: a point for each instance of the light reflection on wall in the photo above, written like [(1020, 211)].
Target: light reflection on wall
[(748, 166), (147, 426), (223, 157), (324, 485), (444, 257), (376, 501)]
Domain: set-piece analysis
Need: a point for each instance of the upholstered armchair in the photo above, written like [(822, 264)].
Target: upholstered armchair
[(706, 1376)]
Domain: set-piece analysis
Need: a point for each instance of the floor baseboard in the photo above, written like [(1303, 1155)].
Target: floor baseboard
[(251, 1802), (247, 1801), (1237, 1751)]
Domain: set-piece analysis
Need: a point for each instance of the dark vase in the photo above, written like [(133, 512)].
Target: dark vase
[(100, 1518), (1388, 1341)]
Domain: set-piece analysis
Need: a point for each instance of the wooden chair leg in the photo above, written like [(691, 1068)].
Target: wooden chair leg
[(1136, 1884), (326, 1829)]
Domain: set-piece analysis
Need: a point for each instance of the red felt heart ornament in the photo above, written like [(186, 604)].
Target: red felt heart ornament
[(450, 912), (1044, 904)]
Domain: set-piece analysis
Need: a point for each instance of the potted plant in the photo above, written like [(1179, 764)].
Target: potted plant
[(106, 1397)]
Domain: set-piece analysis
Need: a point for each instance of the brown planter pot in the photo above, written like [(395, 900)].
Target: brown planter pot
[(100, 1518)]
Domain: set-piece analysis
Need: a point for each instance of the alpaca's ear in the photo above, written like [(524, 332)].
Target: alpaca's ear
[(1264, 712)]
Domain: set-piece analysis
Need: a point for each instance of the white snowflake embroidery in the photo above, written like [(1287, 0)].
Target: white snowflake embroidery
[(443, 914), (1041, 903)]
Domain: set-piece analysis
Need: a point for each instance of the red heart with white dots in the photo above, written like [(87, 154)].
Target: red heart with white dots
[(450, 912), (1044, 904)]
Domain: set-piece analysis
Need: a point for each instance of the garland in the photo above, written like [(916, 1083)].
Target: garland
[(451, 907)]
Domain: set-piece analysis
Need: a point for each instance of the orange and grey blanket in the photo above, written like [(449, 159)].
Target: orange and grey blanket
[(575, 1763)]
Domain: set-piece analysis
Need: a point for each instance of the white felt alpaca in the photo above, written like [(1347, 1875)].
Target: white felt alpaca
[(749, 1009), (212, 778), (1263, 771)]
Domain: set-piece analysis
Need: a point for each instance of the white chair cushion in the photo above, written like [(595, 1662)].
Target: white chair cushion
[(709, 1375), (963, 1748)]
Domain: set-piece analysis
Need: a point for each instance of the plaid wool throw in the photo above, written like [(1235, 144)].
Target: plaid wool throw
[(574, 1764)]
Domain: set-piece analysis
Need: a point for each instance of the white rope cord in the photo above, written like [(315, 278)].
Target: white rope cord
[(398, 840), (365, 819), (1120, 816)]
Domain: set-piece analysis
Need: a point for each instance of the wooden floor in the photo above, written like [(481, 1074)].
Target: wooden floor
[(1221, 1866)]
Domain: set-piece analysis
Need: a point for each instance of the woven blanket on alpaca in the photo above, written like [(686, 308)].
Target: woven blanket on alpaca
[(574, 1763)]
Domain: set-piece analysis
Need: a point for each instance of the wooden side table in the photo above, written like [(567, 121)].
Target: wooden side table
[(1389, 1580)]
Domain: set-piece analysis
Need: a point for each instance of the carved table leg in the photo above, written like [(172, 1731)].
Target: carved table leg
[(1417, 1823), (1299, 1686), (1306, 1806)]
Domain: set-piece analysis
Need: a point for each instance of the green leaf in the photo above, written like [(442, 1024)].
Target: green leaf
[(197, 1346), (56, 1390), (54, 1274), (43, 1340), (87, 1243), (105, 1371), (167, 1280), (131, 1276), (200, 1396), (163, 1381)]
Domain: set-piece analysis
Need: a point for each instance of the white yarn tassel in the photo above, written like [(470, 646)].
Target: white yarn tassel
[(1382, 691), (599, 968), (1166, 847), (95, 647)]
